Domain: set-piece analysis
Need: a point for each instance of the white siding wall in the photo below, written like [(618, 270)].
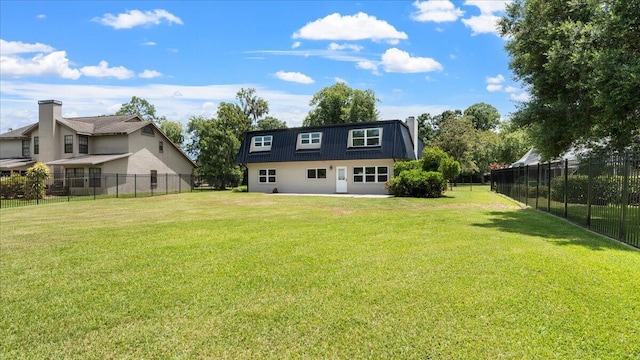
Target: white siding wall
[(291, 177)]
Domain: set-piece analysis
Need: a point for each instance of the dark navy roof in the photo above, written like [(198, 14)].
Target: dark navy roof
[(396, 144)]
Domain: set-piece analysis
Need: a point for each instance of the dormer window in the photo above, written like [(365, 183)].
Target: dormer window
[(365, 137), (261, 143), (309, 140)]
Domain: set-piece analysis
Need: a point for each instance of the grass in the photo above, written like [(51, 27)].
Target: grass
[(241, 275)]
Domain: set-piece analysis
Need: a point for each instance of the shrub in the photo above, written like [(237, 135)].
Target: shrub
[(36, 176), (417, 183), (604, 189), (432, 157), (400, 166), (12, 186)]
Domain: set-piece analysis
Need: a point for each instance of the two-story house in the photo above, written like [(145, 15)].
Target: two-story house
[(83, 148), (355, 158)]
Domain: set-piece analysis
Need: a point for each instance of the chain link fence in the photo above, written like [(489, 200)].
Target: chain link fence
[(599, 193)]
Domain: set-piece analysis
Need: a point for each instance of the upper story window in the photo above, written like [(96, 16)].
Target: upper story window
[(83, 144), (261, 143), (161, 146), (36, 145), (68, 144), (26, 145), (309, 140), (365, 137), (148, 130)]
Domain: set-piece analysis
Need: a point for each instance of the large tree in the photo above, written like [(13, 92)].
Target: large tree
[(141, 107), (484, 116), (174, 131), (214, 145), (270, 123), (339, 104), (581, 63), (252, 106)]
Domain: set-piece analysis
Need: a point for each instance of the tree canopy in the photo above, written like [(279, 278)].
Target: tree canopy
[(339, 104), (483, 116), (141, 107), (581, 63)]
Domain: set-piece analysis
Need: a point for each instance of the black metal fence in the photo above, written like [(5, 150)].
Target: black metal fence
[(19, 190), (599, 193)]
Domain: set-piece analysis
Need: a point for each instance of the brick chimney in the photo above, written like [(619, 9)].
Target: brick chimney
[(49, 111)]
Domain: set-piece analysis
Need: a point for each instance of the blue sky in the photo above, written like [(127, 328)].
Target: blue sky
[(186, 57)]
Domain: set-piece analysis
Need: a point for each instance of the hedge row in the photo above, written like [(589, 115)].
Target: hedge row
[(604, 190)]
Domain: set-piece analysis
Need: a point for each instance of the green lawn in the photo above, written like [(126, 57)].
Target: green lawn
[(235, 275)]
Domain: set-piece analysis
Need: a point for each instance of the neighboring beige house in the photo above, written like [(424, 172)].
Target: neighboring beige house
[(88, 147), (355, 158)]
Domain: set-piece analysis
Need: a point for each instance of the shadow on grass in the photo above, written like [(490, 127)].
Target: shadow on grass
[(554, 230)]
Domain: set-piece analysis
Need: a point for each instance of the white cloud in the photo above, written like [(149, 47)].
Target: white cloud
[(368, 65), (340, 80), (18, 47), (489, 7), (296, 45), (482, 24), (138, 18), (510, 89), (495, 80), (396, 60), (436, 11), (487, 21), (149, 74), (353, 47), (294, 77), (357, 27), (522, 97), (149, 43), (90, 100), (103, 70), (41, 16), (55, 63), (494, 83)]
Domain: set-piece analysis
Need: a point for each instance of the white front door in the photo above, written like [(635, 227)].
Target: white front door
[(341, 179)]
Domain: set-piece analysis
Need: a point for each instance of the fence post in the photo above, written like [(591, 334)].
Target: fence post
[(117, 185), (549, 188), (625, 196), (566, 186), (166, 183), (589, 193), (135, 185), (526, 186), (179, 184), (538, 186)]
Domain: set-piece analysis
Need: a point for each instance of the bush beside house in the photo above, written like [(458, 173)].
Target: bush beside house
[(426, 177)]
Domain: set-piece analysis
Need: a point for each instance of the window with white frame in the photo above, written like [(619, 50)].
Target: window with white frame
[(316, 173), (311, 140), (261, 143), (365, 137), (267, 176), (370, 174)]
